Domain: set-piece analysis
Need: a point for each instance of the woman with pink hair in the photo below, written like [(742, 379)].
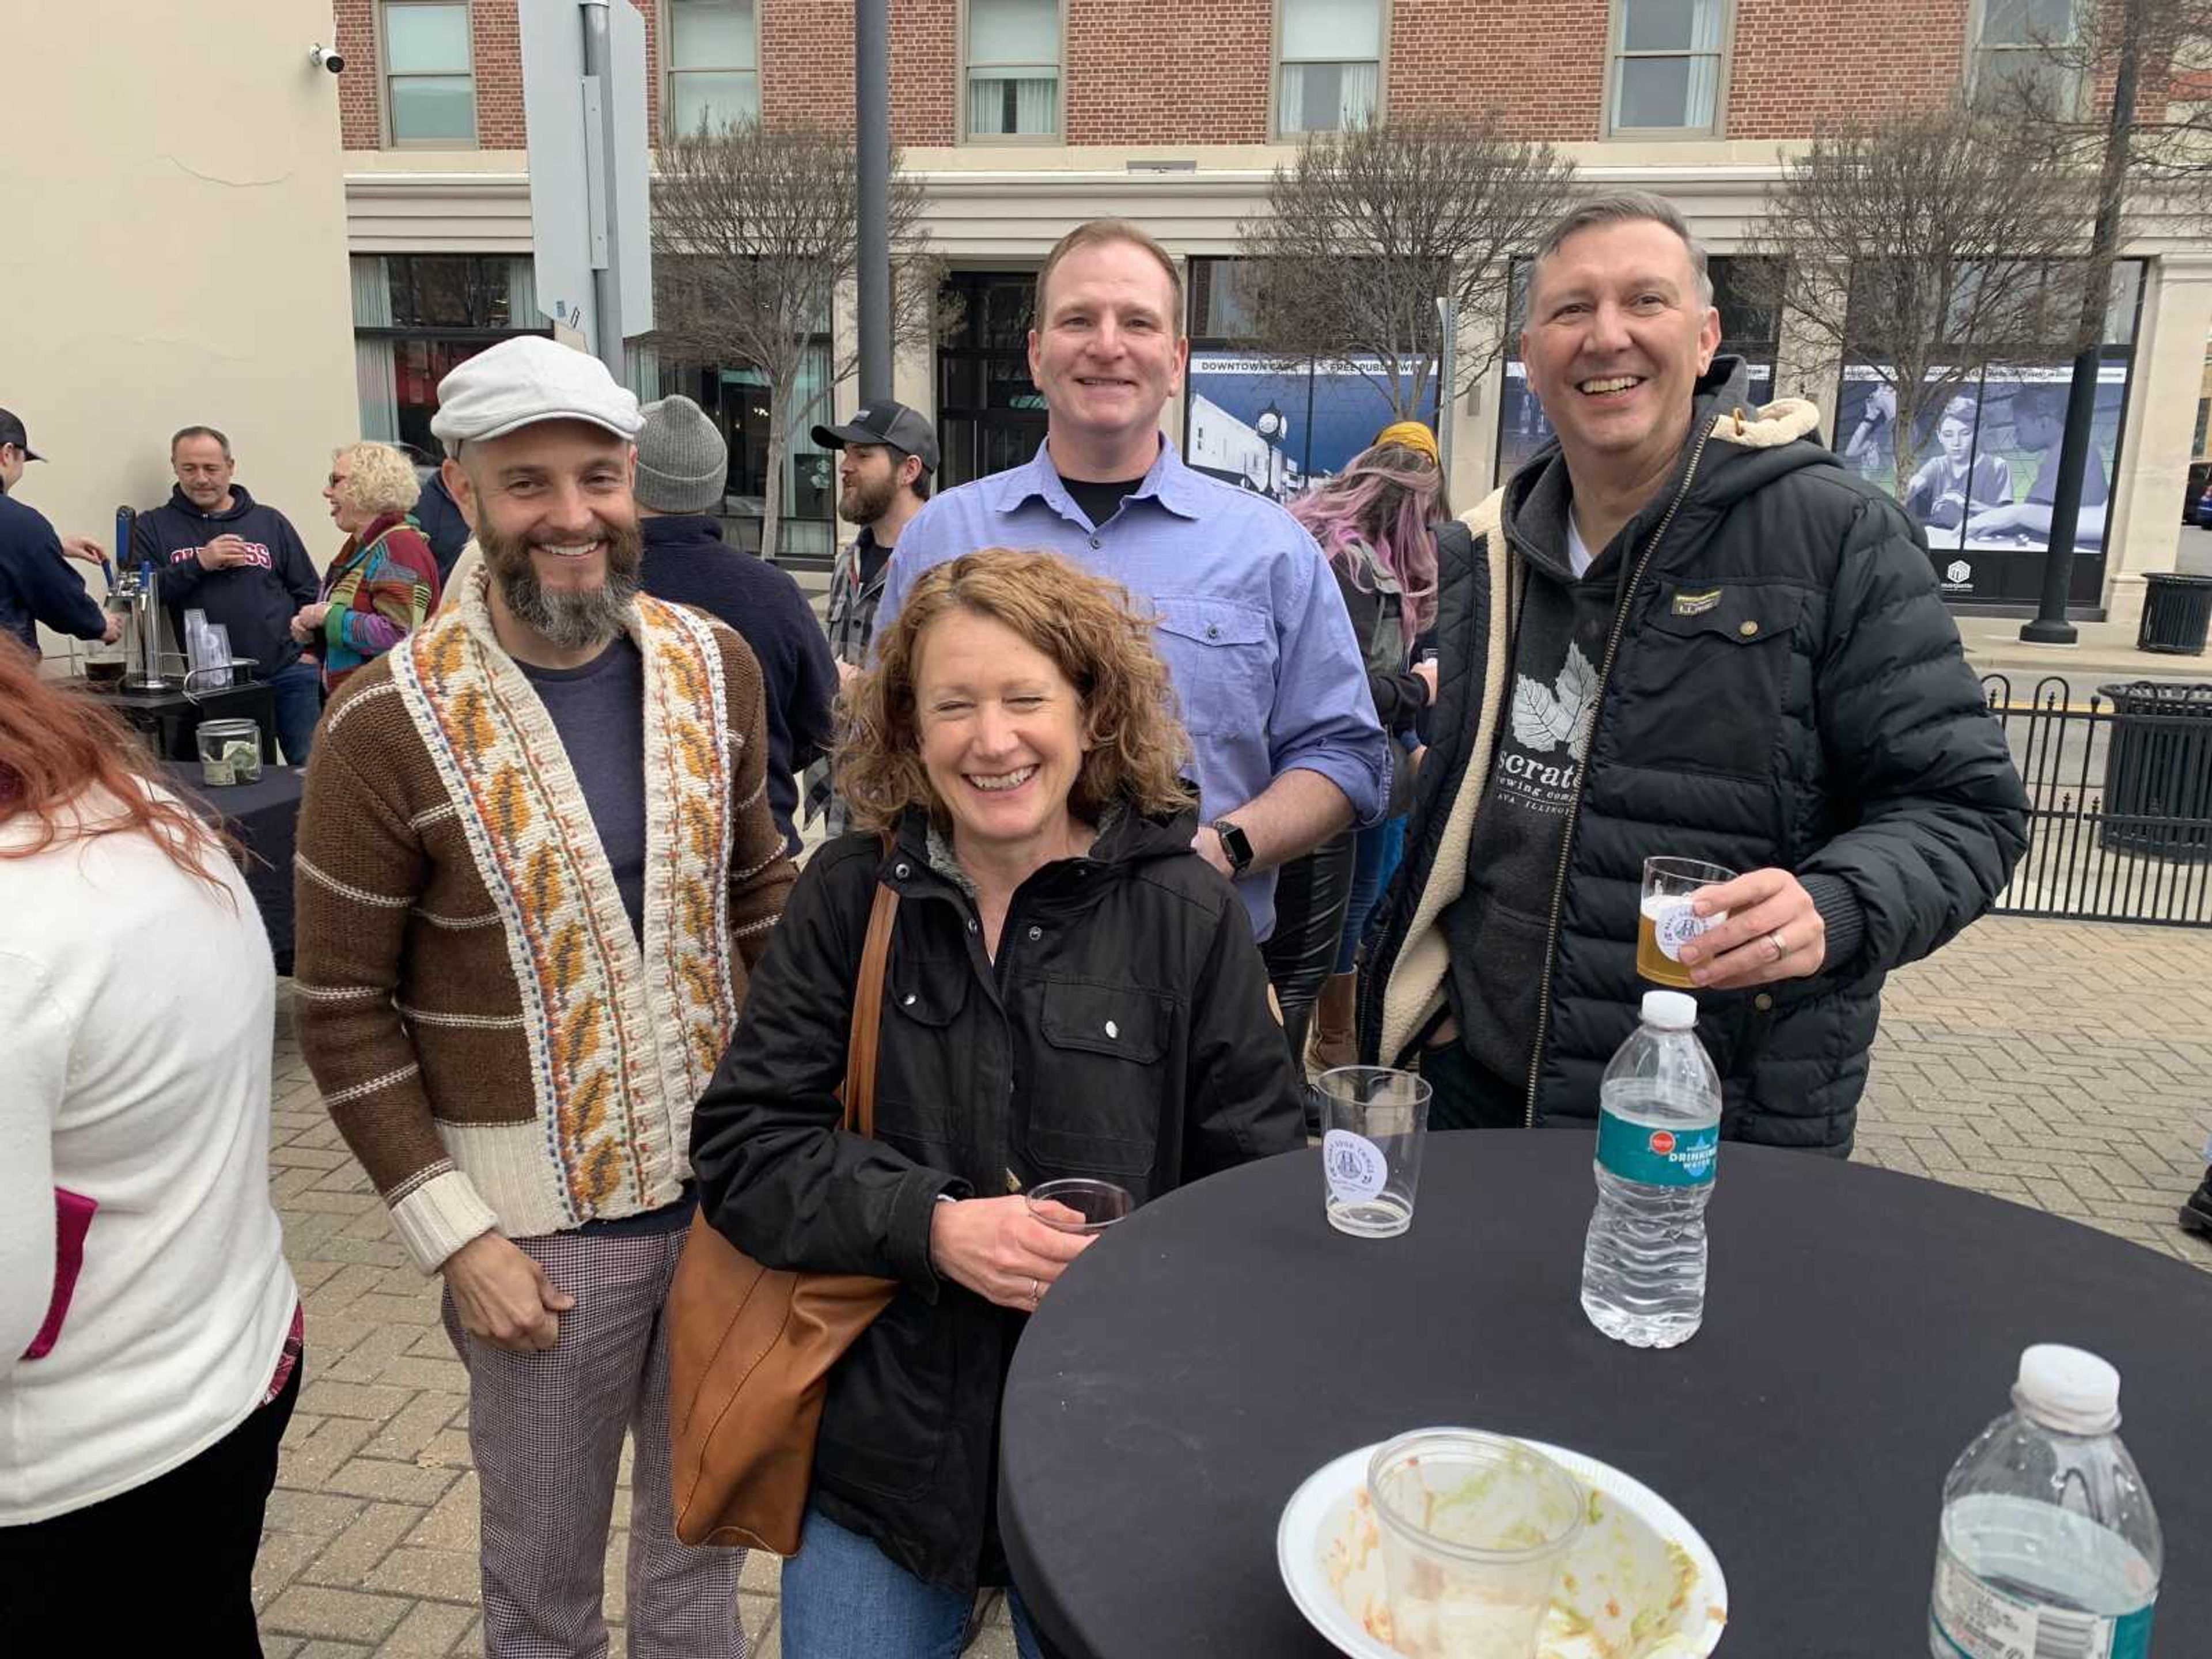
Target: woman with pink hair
[(1373, 521)]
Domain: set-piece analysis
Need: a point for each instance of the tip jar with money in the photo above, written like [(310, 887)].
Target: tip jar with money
[(230, 752)]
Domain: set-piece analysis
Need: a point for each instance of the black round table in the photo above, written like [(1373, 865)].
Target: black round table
[(1860, 1327)]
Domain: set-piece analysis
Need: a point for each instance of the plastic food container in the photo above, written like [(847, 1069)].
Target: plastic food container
[(1475, 1527), (230, 752)]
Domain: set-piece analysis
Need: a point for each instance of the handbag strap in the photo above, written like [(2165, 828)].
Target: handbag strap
[(868, 1013)]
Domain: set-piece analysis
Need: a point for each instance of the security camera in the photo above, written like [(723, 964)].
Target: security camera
[(327, 58)]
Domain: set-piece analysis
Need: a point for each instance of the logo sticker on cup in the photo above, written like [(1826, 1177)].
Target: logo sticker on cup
[(1677, 924), (1354, 1164)]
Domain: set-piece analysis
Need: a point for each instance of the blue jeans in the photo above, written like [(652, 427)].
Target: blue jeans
[(299, 689), (1374, 853), (845, 1599)]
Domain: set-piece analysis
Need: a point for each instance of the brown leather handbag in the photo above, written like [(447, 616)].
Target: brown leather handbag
[(749, 1347)]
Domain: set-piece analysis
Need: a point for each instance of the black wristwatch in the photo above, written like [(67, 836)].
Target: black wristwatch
[(1235, 844)]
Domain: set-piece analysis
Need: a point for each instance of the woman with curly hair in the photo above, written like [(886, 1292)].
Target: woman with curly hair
[(149, 1329), (384, 580), (1072, 991)]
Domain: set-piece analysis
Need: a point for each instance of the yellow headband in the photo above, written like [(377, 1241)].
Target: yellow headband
[(1413, 435)]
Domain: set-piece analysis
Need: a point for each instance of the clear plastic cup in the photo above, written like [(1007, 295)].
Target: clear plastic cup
[(1375, 1122), (1474, 1528), (1663, 922), (1099, 1204)]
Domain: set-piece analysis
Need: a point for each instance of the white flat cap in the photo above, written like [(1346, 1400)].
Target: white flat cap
[(522, 381)]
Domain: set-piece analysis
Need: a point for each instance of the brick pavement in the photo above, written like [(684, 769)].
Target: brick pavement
[(2065, 1065)]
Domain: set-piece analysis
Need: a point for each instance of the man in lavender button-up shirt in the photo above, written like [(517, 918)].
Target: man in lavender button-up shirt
[(1272, 681)]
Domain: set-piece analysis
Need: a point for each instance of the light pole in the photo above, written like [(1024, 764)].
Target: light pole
[(872, 100)]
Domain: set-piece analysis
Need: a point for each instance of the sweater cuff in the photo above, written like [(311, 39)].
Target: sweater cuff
[(439, 1212), (1843, 916)]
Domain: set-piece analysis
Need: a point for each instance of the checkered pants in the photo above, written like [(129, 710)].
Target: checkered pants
[(547, 1429)]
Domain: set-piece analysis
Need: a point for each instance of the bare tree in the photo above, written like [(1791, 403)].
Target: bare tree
[(1928, 246), (2122, 88), (1368, 228), (754, 228)]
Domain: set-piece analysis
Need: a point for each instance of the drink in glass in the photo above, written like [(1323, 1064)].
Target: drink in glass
[(1664, 923)]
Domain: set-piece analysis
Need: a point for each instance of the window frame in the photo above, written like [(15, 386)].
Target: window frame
[(1277, 62), (385, 77), (1616, 34), (1977, 52), (667, 71), (968, 136)]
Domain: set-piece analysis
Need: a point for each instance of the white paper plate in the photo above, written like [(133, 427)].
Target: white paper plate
[(1625, 1561)]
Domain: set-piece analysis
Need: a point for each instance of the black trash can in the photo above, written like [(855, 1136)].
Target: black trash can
[(2157, 770), (2176, 612)]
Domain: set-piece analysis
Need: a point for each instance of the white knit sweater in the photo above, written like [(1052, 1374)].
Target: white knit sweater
[(137, 1007)]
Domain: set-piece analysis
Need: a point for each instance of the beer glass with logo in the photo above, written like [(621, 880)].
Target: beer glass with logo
[(1665, 923)]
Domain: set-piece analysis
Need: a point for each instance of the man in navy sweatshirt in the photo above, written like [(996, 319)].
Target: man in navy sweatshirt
[(36, 584), (217, 549), (682, 464)]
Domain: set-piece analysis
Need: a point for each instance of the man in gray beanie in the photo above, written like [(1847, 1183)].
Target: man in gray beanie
[(682, 464)]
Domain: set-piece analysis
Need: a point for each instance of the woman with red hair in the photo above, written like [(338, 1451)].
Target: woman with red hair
[(150, 1327)]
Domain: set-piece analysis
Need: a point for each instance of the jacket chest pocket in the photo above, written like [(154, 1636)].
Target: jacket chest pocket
[(1219, 655), (921, 1063), (1094, 1104), (1714, 663)]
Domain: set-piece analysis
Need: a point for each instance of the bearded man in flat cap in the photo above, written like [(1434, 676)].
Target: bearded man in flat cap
[(536, 863)]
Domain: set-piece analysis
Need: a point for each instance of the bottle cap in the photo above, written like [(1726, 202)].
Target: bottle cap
[(2068, 1389), (1670, 1010)]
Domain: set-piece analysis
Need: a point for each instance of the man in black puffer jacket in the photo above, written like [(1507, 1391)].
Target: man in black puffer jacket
[(1683, 629)]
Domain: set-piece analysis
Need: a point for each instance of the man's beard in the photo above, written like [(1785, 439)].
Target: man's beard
[(573, 619), (865, 501)]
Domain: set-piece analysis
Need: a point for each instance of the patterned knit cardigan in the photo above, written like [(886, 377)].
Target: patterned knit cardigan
[(380, 587), (494, 1043)]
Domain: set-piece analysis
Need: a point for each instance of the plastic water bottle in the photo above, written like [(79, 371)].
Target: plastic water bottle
[(2049, 1547), (1658, 1133)]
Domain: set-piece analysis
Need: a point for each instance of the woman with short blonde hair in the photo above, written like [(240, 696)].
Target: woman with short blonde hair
[(1072, 992), (384, 580)]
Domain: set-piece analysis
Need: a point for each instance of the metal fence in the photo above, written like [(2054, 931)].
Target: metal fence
[(2120, 790)]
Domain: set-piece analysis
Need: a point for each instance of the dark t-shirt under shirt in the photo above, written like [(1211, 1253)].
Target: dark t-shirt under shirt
[(1100, 501), (600, 712)]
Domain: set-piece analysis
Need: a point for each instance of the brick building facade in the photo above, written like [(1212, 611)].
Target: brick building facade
[(1176, 112)]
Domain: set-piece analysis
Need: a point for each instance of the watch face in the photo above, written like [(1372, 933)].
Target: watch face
[(1234, 843)]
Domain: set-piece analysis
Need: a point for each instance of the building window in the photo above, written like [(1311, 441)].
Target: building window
[(713, 65), (429, 86), (2024, 49), (1331, 58), (1013, 69), (1667, 65), (417, 316)]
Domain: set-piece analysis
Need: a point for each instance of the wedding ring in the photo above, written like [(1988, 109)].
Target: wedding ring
[(1036, 1292), (1781, 946)]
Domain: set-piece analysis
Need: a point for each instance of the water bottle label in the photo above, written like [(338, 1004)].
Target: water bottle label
[(1657, 1157), (1976, 1621), (1355, 1166)]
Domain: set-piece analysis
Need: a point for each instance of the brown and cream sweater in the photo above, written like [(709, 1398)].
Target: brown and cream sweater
[(496, 1044)]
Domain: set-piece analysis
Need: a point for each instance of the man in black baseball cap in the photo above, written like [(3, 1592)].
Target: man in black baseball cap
[(890, 454), (36, 586)]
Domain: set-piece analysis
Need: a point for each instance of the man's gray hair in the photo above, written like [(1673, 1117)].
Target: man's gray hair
[(1625, 207)]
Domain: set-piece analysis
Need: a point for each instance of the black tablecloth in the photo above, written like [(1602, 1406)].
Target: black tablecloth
[(1861, 1327), (171, 720), (265, 817)]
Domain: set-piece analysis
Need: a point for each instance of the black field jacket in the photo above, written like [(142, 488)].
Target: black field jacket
[(1122, 1032)]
